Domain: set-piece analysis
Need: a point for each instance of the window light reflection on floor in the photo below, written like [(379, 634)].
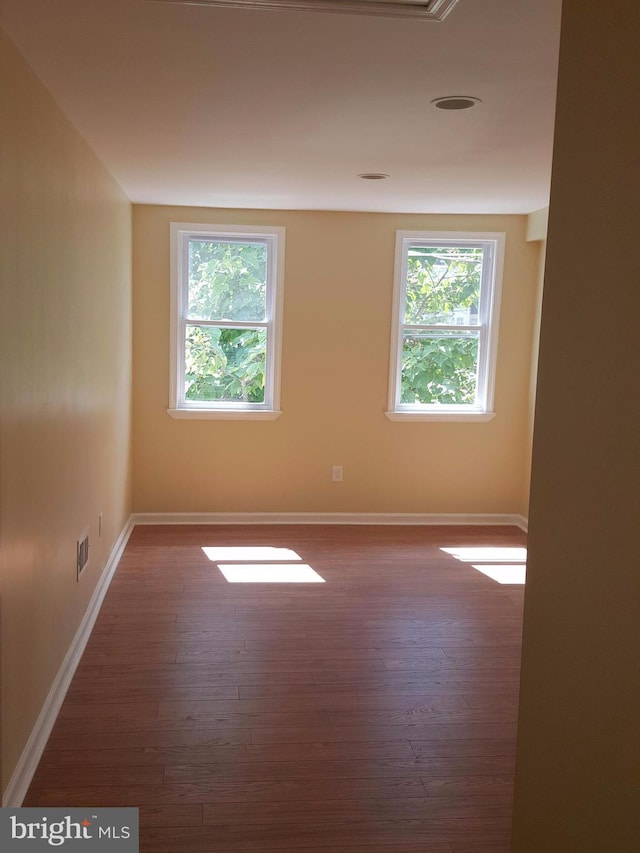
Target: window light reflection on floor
[(250, 552), (496, 554), (501, 564), (261, 564), (270, 573), (503, 573)]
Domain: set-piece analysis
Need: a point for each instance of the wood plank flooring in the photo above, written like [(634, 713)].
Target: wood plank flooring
[(371, 713)]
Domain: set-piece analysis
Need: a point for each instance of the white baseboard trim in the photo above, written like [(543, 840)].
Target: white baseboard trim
[(523, 523), (19, 783), (145, 518)]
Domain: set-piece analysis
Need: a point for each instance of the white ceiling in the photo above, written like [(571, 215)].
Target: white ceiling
[(222, 107)]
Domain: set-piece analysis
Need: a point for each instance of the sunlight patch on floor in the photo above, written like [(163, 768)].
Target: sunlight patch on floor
[(501, 564), (495, 555), (261, 564), (270, 573), (502, 572), (250, 552)]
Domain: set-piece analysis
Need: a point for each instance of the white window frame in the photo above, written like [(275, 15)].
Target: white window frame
[(488, 321), (273, 237)]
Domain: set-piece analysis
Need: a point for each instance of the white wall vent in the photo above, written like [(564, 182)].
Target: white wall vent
[(428, 10), (82, 553)]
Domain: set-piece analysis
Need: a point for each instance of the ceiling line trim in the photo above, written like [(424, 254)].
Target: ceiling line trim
[(431, 10)]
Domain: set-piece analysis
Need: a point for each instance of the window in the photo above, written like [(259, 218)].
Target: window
[(226, 301), (445, 327)]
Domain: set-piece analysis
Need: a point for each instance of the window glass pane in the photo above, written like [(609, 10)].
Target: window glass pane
[(443, 285), (225, 364), (439, 367), (227, 280)]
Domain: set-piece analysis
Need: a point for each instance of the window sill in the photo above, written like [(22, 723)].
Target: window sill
[(225, 414), (466, 417)]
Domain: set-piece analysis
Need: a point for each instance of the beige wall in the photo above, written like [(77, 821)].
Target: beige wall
[(338, 287), (536, 232), (65, 386), (578, 743)]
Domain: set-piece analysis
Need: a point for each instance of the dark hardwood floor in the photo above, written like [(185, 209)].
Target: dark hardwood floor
[(371, 713)]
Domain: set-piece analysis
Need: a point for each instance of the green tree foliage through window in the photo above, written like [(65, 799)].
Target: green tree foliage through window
[(224, 364), (227, 286), (227, 280), (439, 370), (442, 293)]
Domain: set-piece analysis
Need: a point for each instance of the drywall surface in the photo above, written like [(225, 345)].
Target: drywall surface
[(539, 236), (578, 746), (65, 386), (337, 325)]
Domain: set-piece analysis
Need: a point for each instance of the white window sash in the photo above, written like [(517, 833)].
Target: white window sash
[(492, 245), (273, 238)]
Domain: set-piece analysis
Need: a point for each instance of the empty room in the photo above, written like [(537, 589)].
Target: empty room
[(319, 467)]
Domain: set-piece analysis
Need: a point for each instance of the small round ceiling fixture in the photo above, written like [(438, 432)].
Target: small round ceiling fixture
[(455, 102), (373, 176)]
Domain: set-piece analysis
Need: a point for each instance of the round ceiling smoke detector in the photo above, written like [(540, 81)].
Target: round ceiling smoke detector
[(455, 102), (373, 176)]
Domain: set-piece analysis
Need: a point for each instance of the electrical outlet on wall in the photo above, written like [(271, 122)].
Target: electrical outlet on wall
[(337, 474)]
